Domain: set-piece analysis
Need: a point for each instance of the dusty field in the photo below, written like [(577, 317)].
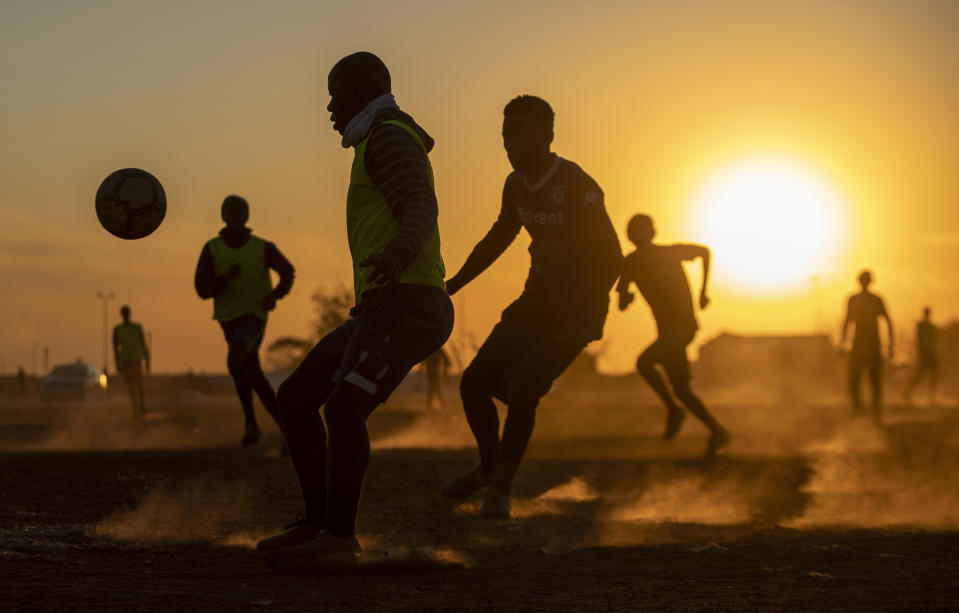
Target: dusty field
[(807, 509)]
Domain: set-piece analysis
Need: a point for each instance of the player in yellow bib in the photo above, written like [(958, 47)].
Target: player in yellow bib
[(234, 270), (402, 313), (130, 352)]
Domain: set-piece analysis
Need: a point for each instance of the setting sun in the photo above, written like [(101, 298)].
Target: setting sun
[(771, 223)]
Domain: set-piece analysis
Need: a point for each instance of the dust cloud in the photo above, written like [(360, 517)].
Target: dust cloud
[(203, 509)]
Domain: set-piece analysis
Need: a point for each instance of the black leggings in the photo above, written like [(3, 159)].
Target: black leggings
[(244, 335), (349, 372)]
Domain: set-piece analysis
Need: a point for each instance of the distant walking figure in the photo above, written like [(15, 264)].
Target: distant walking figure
[(927, 355), (437, 368), (863, 311), (657, 272), (234, 270), (574, 260), (402, 314), (130, 352)]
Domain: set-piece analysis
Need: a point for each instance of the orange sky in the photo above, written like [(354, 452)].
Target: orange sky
[(651, 99)]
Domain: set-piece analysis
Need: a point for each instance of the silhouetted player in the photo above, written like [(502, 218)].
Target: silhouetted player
[(864, 310), (234, 270), (402, 313), (130, 352), (437, 370), (927, 357), (574, 261), (657, 271)]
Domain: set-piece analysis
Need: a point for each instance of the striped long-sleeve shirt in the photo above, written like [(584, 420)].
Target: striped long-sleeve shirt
[(397, 164)]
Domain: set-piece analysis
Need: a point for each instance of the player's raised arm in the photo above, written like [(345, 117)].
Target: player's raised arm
[(687, 252), (116, 348), (499, 237), (846, 322), (146, 348), (278, 262), (885, 315), (605, 256)]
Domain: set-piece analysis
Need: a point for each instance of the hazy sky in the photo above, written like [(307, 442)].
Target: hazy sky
[(651, 99)]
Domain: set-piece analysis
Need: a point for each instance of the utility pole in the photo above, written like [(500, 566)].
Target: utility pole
[(106, 332)]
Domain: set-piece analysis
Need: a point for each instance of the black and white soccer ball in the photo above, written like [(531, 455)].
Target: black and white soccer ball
[(131, 203)]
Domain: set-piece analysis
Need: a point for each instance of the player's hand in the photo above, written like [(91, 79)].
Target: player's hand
[(703, 300), (625, 299), (573, 336), (268, 302), (453, 286), (385, 271)]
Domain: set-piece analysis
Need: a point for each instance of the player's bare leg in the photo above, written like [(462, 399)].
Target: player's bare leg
[(675, 414)]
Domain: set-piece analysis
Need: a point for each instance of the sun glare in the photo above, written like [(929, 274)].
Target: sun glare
[(771, 223)]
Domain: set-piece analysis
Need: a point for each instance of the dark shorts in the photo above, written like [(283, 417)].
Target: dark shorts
[(669, 351), (928, 361), (389, 335), (528, 348), (245, 331)]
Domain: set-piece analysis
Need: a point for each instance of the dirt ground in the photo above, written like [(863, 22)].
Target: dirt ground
[(808, 509)]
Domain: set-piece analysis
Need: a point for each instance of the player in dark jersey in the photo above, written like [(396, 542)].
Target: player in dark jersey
[(575, 258), (863, 311), (657, 271), (927, 357)]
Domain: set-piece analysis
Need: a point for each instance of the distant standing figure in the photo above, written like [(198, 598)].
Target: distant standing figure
[(657, 272), (437, 371), (234, 270), (928, 357), (863, 311), (130, 352)]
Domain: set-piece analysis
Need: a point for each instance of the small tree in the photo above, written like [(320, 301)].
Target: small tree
[(332, 307)]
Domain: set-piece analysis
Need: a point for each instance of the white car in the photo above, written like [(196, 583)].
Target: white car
[(76, 380)]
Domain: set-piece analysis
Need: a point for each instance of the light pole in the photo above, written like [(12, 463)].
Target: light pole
[(106, 333)]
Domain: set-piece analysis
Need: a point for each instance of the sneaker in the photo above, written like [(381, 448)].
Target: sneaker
[(674, 421), (294, 534), (251, 436), (322, 551), (718, 439), (464, 485), (495, 504)]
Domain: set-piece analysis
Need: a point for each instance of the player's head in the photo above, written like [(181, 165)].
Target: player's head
[(125, 312), (527, 131), (640, 229), (865, 278), (926, 312), (235, 211), (354, 82)]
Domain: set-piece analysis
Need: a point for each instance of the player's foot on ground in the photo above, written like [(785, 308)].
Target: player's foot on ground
[(294, 534), (464, 485), (495, 504), (717, 440), (322, 551), (251, 436), (674, 421)]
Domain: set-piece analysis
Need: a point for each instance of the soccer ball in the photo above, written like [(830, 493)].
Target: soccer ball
[(131, 203)]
